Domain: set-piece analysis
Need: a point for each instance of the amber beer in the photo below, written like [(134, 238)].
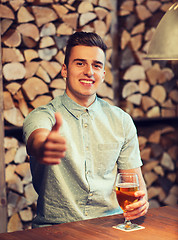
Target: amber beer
[(125, 194)]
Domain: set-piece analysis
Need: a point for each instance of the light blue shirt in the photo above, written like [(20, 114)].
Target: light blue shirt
[(100, 140)]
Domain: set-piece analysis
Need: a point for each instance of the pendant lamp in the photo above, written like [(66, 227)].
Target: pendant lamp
[(164, 44)]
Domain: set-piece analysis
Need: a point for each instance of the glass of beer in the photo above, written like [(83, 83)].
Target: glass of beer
[(126, 185)]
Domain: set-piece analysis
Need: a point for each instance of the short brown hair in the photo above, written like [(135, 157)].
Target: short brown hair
[(85, 39)]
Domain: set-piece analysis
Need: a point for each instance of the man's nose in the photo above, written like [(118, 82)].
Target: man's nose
[(88, 70)]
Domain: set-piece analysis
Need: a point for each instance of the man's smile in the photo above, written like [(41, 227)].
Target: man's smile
[(87, 81)]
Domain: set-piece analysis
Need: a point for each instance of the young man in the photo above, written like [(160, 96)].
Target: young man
[(79, 142)]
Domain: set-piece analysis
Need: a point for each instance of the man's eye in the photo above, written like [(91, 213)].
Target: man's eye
[(97, 66), (80, 63)]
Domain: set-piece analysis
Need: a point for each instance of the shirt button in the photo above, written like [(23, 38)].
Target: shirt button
[(85, 125), (91, 194)]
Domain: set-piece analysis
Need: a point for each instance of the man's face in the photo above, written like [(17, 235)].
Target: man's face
[(84, 74)]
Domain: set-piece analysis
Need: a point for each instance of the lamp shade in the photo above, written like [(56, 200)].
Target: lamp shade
[(164, 44)]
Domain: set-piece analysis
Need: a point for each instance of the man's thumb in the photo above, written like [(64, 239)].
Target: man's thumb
[(58, 123)]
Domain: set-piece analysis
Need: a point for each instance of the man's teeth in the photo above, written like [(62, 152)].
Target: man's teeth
[(86, 81)]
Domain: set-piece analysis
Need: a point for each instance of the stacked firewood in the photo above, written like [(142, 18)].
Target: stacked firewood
[(159, 151), (33, 49), (21, 200), (147, 89), (34, 36)]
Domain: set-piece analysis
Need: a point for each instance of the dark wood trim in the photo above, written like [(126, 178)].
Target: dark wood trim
[(148, 121)]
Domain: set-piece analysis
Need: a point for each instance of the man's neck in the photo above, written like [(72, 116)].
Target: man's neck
[(84, 101)]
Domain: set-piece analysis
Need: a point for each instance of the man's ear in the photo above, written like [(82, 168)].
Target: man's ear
[(104, 73), (64, 71)]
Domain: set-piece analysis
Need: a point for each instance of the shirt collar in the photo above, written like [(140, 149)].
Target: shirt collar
[(77, 110)]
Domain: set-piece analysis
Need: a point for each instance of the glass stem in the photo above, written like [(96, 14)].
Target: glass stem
[(127, 223)]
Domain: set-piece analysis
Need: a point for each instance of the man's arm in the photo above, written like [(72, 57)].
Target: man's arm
[(139, 208), (47, 146)]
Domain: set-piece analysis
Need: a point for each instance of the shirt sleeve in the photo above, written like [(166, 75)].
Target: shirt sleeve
[(130, 153), (42, 117)]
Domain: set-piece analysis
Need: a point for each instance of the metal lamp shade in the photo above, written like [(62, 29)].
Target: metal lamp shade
[(164, 44)]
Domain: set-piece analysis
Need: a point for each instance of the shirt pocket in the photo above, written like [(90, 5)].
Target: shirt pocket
[(108, 154)]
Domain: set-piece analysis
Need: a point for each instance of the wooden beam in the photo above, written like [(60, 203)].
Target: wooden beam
[(3, 198), (115, 57)]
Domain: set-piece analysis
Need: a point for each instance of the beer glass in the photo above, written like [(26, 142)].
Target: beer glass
[(126, 185)]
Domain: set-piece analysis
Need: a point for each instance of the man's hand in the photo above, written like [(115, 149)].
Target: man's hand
[(48, 146), (137, 209)]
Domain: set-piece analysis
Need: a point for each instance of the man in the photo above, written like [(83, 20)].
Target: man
[(79, 142)]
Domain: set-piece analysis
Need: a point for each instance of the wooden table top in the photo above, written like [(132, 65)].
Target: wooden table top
[(160, 224)]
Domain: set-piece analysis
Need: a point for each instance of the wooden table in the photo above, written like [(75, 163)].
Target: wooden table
[(160, 224)]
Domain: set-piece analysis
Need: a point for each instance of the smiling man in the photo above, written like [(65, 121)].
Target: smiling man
[(78, 143)]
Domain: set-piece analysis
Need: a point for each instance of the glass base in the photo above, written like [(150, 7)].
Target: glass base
[(128, 227)]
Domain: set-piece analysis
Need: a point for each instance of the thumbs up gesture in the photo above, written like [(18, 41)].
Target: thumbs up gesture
[(54, 147)]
